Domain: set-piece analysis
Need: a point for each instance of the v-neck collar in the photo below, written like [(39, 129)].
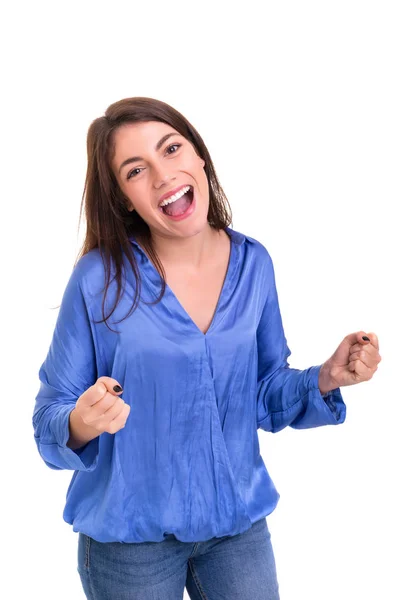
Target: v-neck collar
[(153, 278)]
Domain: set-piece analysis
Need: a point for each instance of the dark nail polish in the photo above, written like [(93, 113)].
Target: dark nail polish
[(365, 338), (117, 388)]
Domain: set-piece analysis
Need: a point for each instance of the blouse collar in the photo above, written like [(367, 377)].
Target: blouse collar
[(153, 276)]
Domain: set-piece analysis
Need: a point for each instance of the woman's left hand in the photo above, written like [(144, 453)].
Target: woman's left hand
[(355, 360)]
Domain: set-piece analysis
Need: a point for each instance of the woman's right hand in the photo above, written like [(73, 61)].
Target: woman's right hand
[(101, 408)]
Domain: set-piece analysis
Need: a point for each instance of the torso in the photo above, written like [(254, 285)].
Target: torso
[(199, 293)]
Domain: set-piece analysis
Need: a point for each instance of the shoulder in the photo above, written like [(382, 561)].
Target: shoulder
[(89, 273), (253, 247), (89, 264)]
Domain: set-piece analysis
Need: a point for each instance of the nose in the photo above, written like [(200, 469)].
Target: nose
[(161, 176)]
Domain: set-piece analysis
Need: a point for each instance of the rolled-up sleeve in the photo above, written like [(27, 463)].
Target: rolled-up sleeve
[(287, 396), (68, 370)]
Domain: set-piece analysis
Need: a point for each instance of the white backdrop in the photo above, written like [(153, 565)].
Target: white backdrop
[(298, 103)]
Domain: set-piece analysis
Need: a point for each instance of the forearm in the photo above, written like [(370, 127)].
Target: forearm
[(80, 433), (290, 397)]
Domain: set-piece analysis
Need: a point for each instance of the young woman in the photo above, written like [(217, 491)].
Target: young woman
[(168, 354)]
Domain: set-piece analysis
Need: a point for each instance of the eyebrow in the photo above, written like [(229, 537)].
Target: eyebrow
[(128, 161)]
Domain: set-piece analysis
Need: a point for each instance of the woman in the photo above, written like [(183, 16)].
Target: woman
[(158, 417)]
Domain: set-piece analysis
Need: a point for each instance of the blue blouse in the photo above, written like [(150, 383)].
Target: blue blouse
[(187, 461)]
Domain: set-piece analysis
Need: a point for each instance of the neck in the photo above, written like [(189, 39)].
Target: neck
[(189, 252)]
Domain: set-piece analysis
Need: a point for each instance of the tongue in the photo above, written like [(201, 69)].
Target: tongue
[(179, 207)]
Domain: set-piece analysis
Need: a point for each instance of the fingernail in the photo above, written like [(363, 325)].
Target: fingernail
[(117, 388), (365, 338)]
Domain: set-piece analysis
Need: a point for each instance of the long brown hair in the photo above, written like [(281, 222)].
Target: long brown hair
[(109, 223)]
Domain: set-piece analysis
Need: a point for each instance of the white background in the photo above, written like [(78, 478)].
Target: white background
[(298, 103)]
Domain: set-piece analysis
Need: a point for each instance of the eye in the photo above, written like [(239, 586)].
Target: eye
[(174, 145), (132, 173)]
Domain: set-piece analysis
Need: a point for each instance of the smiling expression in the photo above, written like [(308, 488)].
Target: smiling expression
[(152, 159)]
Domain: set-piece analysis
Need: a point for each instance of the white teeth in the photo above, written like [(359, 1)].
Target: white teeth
[(176, 196)]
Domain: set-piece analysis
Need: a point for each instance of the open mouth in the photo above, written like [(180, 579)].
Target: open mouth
[(179, 207)]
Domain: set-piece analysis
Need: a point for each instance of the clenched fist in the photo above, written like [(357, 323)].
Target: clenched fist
[(101, 408), (355, 360)]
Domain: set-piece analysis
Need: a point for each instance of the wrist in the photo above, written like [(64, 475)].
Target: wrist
[(80, 433), (325, 380)]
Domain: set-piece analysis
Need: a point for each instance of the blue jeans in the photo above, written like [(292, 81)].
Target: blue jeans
[(239, 567)]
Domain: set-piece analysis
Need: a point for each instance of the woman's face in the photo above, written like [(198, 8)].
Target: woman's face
[(147, 166)]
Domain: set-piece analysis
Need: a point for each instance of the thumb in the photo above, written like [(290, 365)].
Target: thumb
[(358, 337), (363, 338), (354, 338), (110, 384), (373, 338)]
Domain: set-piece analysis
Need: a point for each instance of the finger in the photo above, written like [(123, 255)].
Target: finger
[(353, 338), (368, 338), (113, 386), (363, 339), (107, 403), (96, 392), (365, 357), (119, 422), (370, 350), (356, 348), (357, 338), (107, 416), (361, 371)]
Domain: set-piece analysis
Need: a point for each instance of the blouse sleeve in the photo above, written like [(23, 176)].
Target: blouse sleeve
[(68, 370), (287, 396)]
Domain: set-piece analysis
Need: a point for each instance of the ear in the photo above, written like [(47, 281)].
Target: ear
[(203, 162), (128, 204)]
